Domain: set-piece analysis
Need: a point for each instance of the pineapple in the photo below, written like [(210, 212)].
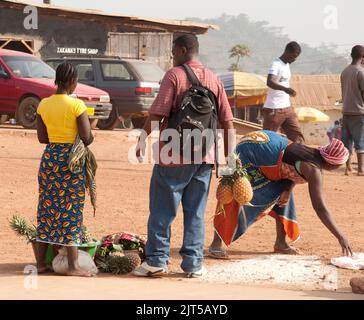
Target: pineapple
[(20, 226), (118, 263), (235, 186), (85, 235), (242, 190), (224, 192), (134, 260)]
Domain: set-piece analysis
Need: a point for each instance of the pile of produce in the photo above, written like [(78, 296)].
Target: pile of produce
[(235, 186), (120, 253)]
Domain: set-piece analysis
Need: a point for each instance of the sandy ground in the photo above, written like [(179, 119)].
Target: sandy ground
[(123, 206)]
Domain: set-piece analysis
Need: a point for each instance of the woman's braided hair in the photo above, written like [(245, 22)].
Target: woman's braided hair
[(66, 74)]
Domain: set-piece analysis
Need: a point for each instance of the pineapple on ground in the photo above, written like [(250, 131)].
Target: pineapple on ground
[(134, 259), (119, 263)]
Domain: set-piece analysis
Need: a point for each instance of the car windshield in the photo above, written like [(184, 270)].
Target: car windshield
[(29, 67), (149, 71)]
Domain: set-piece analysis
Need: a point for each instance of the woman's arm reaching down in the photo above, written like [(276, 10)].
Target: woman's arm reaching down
[(314, 178)]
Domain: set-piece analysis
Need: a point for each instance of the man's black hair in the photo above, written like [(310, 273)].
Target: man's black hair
[(357, 52), (66, 73), (189, 41), (293, 46)]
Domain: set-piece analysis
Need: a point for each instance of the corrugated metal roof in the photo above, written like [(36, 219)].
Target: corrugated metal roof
[(319, 91), (198, 27)]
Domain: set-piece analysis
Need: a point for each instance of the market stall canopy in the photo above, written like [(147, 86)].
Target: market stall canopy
[(307, 114), (244, 89)]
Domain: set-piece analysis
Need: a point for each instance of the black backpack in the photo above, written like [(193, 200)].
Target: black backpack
[(198, 111)]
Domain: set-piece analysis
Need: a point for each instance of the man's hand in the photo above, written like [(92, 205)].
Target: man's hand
[(291, 92), (140, 149)]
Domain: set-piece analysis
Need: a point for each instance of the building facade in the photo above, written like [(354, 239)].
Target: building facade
[(58, 31)]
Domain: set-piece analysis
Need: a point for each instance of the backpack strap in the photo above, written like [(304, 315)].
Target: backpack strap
[(196, 82), (191, 75)]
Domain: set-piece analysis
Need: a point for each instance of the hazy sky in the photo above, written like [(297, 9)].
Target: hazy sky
[(309, 21)]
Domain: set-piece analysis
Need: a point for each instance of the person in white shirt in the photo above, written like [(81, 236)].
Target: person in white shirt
[(278, 114)]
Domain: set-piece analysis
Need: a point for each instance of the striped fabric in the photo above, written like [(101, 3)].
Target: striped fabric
[(82, 158), (335, 153)]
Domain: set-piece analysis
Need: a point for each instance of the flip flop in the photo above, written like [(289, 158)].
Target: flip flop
[(289, 250), (218, 254)]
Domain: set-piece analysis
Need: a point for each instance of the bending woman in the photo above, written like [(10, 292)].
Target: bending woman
[(61, 193), (274, 165)]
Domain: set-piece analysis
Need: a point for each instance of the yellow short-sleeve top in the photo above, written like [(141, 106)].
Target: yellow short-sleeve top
[(59, 113)]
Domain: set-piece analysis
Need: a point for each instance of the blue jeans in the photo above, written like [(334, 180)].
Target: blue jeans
[(353, 132), (169, 186)]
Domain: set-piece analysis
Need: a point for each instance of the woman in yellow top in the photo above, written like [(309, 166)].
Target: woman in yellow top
[(61, 193)]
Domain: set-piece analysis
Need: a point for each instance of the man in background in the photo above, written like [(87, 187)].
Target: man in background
[(277, 110), (334, 131), (352, 86)]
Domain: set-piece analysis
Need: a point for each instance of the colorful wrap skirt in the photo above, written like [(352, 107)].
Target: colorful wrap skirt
[(260, 153), (61, 198)]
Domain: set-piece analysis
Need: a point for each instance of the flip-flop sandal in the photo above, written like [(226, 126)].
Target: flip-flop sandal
[(218, 254), (289, 250)]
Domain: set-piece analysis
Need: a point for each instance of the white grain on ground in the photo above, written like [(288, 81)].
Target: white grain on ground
[(297, 272)]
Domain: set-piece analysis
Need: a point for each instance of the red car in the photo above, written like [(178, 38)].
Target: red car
[(25, 80)]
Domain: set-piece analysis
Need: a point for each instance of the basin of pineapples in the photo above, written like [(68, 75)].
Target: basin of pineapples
[(234, 186)]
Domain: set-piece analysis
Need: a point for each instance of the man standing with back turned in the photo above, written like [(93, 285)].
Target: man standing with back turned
[(277, 110), (352, 86), (188, 183)]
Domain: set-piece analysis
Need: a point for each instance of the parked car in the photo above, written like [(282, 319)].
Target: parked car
[(131, 84), (25, 80)]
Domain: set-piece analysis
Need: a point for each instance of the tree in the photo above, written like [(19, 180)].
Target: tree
[(239, 51), (265, 42)]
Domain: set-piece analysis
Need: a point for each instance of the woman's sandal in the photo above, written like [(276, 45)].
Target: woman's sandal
[(218, 254), (289, 250)]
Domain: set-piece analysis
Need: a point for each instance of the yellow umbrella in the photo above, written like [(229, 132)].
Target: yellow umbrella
[(244, 89), (307, 114)]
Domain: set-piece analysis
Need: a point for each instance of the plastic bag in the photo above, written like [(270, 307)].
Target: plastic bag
[(60, 262), (356, 262)]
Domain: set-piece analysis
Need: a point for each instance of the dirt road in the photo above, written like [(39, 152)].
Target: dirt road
[(123, 206)]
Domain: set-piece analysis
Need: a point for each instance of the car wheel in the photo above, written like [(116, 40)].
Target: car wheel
[(110, 123), (3, 118), (26, 113), (138, 123), (126, 123)]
